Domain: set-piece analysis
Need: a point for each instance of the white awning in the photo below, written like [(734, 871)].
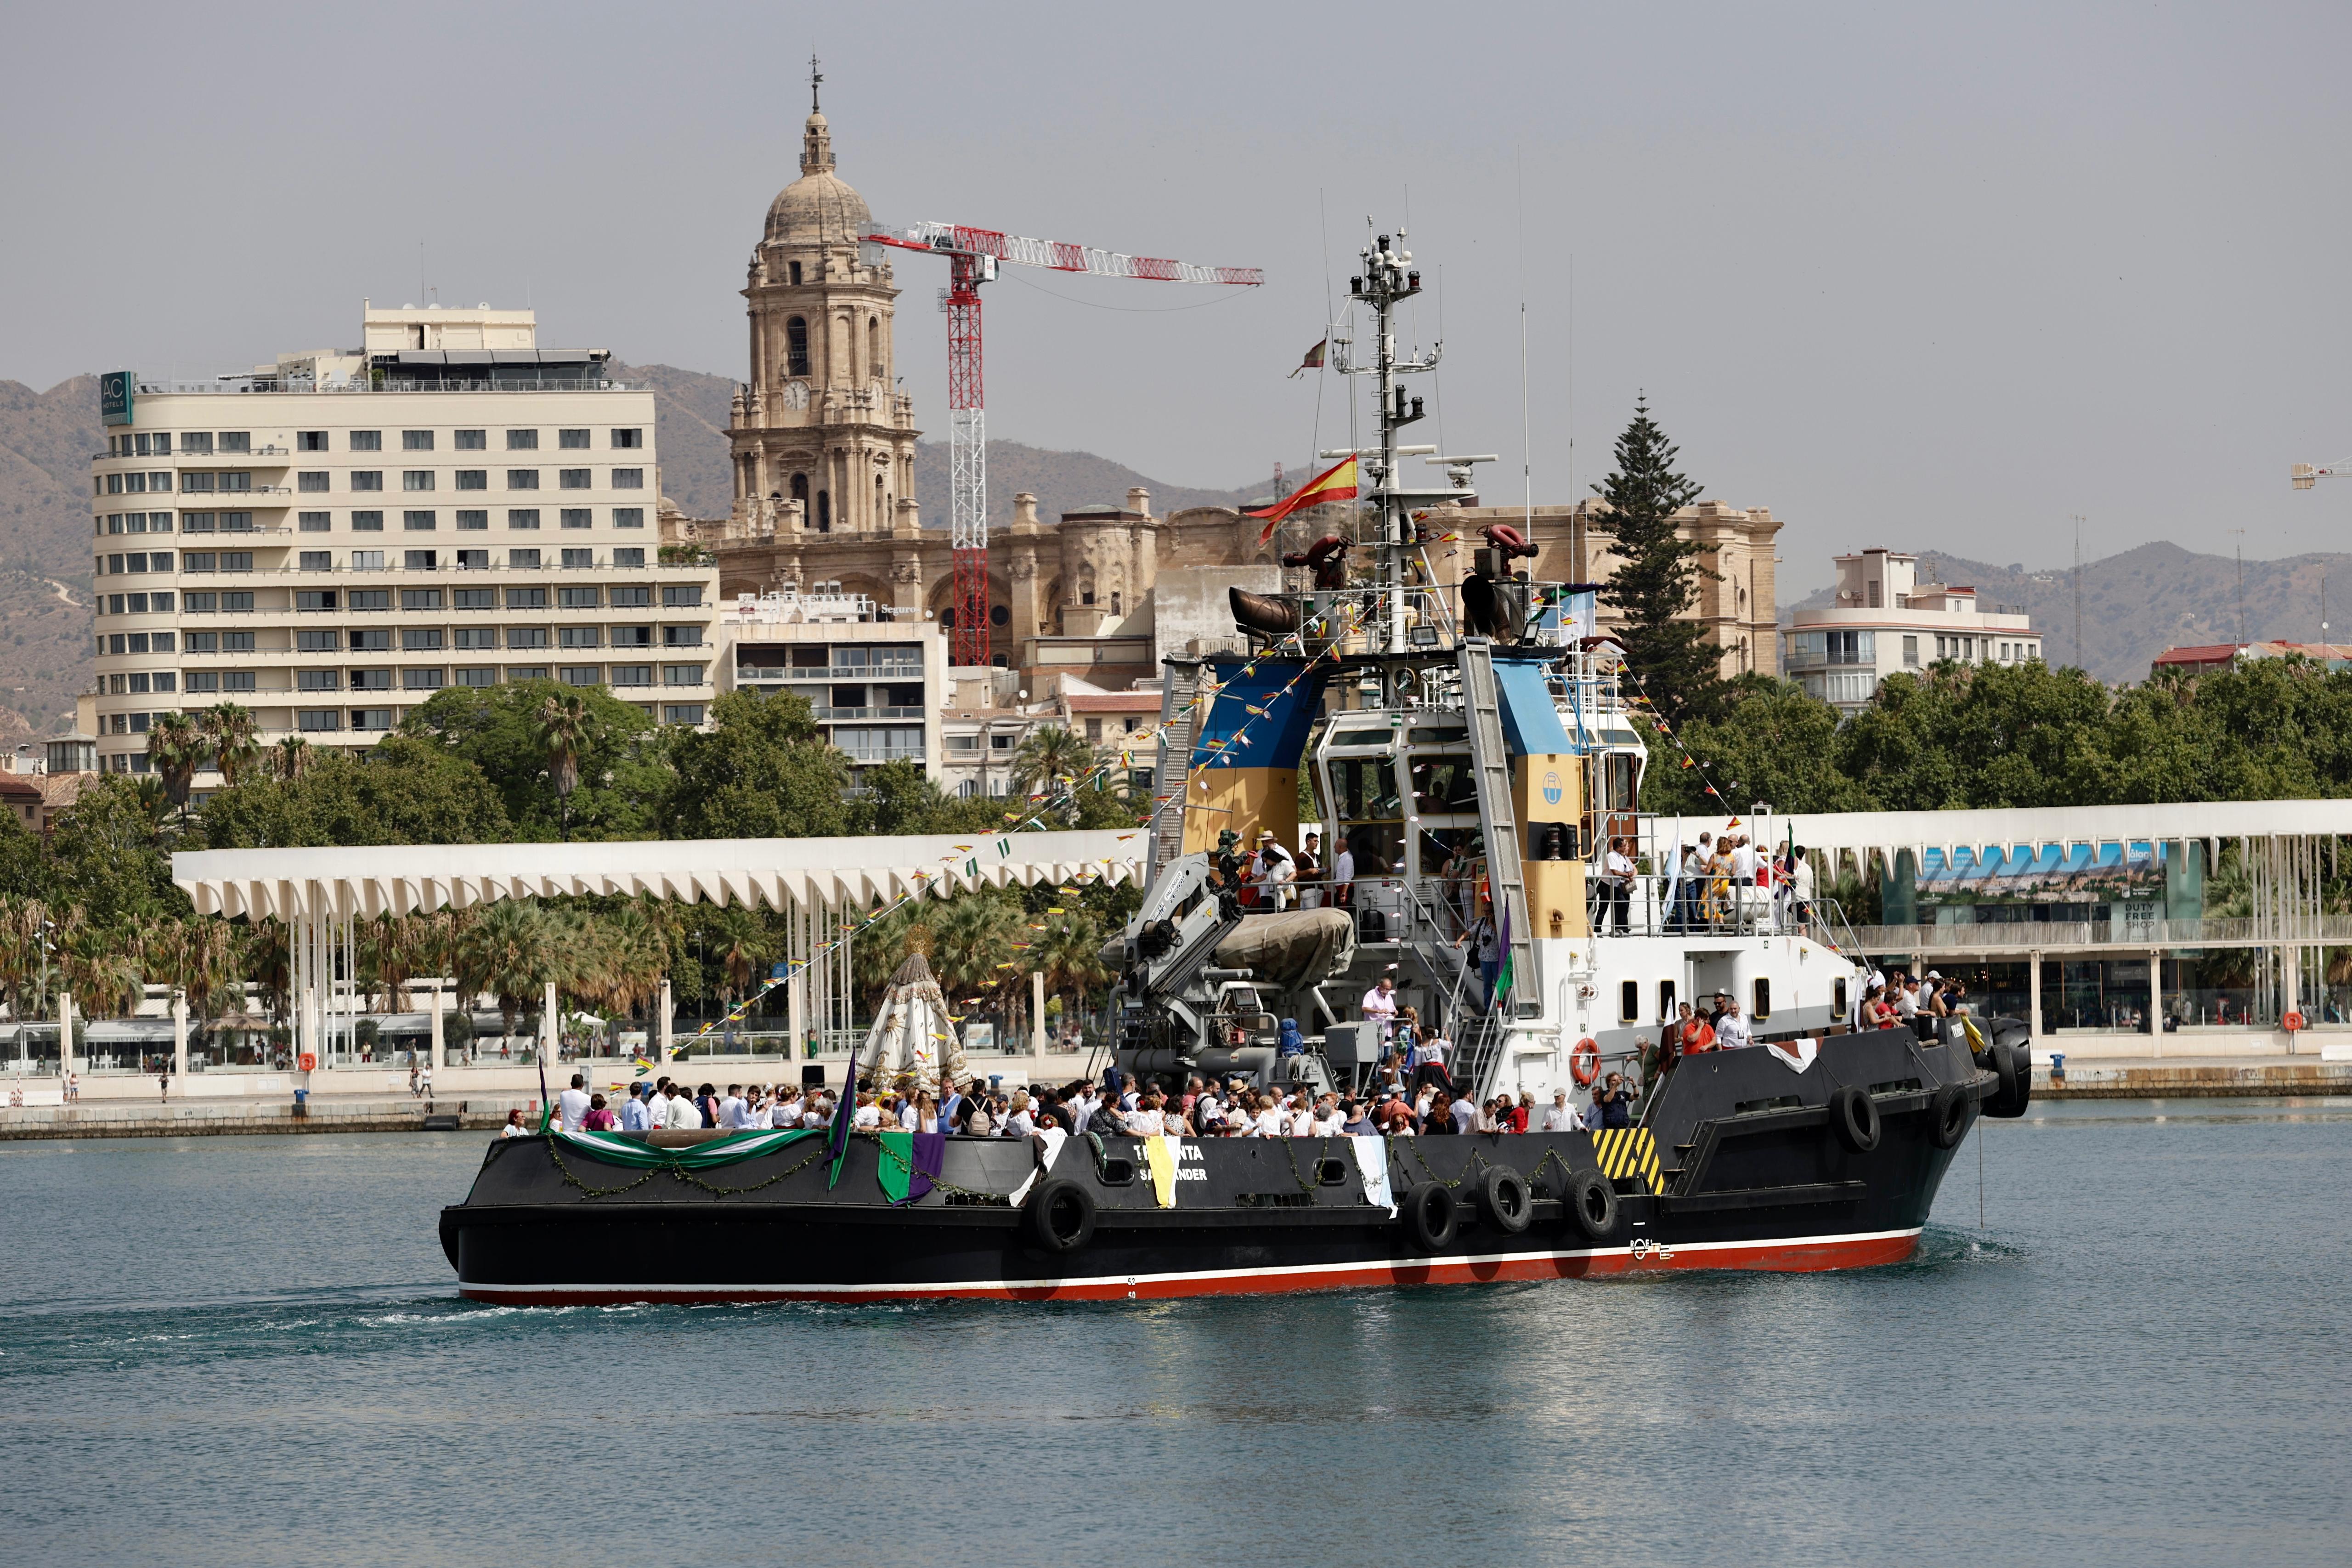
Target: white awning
[(777, 872)]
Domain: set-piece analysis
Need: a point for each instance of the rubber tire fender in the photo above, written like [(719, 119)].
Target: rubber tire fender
[(2014, 1069), (1592, 1204), (1060, 1216), (1503, 1199), (1948, 1116), (1854, 1117), (1431, 1216)]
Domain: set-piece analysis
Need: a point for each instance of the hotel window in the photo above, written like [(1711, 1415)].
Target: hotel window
[(315, 721), (582, 675), (681, 675), (374, 640), (522, 478), (371, 598), (317, 680), (681, 636), (468, 521), (196, 603), (473, 560), (477, 637), (633, 675), (681, 712), (367, 479), (628, 478), (572, 479), (416, 478), (629, 558), (237, 680), (576, 517), (577, 558), (578, 636), (316, 642), (201, 681), (682, 596), (193, 561), (524, 560), (197, 443), (236, 440), (575, 598), (632, 598), (526, 672), (1911, 651), (525, 636), (473, 479), (367, 522), (526, 517), (571, 440), (370, 718), (477, 677), (473, 598), (628, 438), (314, 599), (236, 523), (315, 521), (419, 521), (370, 680), (420, 680), (526, 598), (522, 440), (367, 560), (633, 636), (417, 440), (310, 440), (311, 482), (316, 561), (201, 642), (199, 521), (628, 517), (193, 483), (367, 441), (473, 441)]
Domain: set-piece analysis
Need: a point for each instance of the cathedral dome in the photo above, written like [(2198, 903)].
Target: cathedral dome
[(819, 207)]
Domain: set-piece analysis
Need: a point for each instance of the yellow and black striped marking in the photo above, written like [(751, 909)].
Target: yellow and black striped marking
[(1628, 1152)]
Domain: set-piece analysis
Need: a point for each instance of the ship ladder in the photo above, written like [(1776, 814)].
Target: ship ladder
[(1497, 823), (1178, 725)]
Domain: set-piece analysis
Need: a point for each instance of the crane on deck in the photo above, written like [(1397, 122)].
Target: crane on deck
[(973, 256)]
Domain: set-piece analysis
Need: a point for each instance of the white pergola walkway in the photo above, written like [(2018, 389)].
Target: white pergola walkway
[(822, 887)]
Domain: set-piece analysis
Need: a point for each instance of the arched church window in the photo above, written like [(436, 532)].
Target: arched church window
[(825, 511), (873, 345), (796, 346)]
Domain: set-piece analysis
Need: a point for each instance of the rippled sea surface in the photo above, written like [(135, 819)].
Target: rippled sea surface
[(247, 1350)]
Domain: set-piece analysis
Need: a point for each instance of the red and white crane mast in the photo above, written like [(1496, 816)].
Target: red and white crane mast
[(973, 256)]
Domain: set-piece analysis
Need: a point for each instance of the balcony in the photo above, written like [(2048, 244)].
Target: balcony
[(850, 713)]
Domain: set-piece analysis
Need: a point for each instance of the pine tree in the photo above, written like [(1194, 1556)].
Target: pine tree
[(1657, 573)]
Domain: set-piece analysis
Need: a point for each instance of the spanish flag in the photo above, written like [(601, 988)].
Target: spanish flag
[(1335, 483)]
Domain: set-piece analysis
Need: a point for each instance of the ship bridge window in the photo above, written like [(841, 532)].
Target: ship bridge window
[(1367, 788), (1443, 785), (1439, 735)]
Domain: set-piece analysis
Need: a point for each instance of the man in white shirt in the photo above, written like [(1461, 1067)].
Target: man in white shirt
[(1464, 1113), (731, 1109), (657, 1106), (1906, 998), (1731, 1029), (1560, 1118), (1343, 877), (684, 1116), (1275, 872), (1617, 869), (1380, 1008), (572, 1105)]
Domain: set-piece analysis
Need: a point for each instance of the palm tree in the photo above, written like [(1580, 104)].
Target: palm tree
[(176, 743), (100, 967), (971, 938), (567, 726), (22, 965), (293, 756), (506, 953), (1070, 954), (1049, 756), (228, 730)]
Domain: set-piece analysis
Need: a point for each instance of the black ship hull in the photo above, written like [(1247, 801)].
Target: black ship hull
[(1742, 1162)]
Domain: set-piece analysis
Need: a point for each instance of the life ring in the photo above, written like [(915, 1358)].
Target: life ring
[(1585, 1061), (2292, 1022), (309, 1062)]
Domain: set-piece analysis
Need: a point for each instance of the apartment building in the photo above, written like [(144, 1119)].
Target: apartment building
[(1884, 621), (875, 683), (329, 539)]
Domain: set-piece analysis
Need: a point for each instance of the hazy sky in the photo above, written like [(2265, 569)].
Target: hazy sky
[(1914, 277)]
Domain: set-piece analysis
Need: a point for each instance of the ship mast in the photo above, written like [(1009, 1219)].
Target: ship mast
[(1387, 280)]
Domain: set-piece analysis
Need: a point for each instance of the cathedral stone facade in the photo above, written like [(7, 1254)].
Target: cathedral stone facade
[(823, 451)]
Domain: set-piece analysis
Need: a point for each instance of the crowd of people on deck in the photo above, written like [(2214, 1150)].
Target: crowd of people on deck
[(1892, 1000)]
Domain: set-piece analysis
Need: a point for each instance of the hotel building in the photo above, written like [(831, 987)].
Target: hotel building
[(329, 539), (1885, 623)]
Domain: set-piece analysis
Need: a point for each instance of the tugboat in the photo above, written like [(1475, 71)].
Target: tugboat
[(1480, 770)]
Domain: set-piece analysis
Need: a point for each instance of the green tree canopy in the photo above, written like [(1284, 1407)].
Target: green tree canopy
[(615, 753), (1657, 573), (762, 771), (406, 790)]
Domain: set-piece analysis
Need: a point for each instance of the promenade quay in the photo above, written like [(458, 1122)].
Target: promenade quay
[(364, 1100)]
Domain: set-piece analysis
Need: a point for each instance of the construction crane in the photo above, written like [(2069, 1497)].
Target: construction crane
[(973, 256), (2306, 475)]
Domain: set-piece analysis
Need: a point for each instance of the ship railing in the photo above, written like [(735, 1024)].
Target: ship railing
[(1658, 905)]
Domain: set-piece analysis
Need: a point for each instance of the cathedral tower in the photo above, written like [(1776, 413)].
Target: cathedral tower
[(821, 421)]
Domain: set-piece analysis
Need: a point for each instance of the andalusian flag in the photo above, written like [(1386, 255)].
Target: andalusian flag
[(1335, 483), (1503, 967)]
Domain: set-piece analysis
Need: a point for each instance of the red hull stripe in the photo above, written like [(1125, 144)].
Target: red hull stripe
[(1862, 1250)]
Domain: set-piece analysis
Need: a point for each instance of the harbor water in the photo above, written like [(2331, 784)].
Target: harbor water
[(248, 1350)]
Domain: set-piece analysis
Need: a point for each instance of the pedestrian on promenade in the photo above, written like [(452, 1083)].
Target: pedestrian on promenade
[(425, 1082), (412, 1078), (73, 1085), (163, 1083)]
